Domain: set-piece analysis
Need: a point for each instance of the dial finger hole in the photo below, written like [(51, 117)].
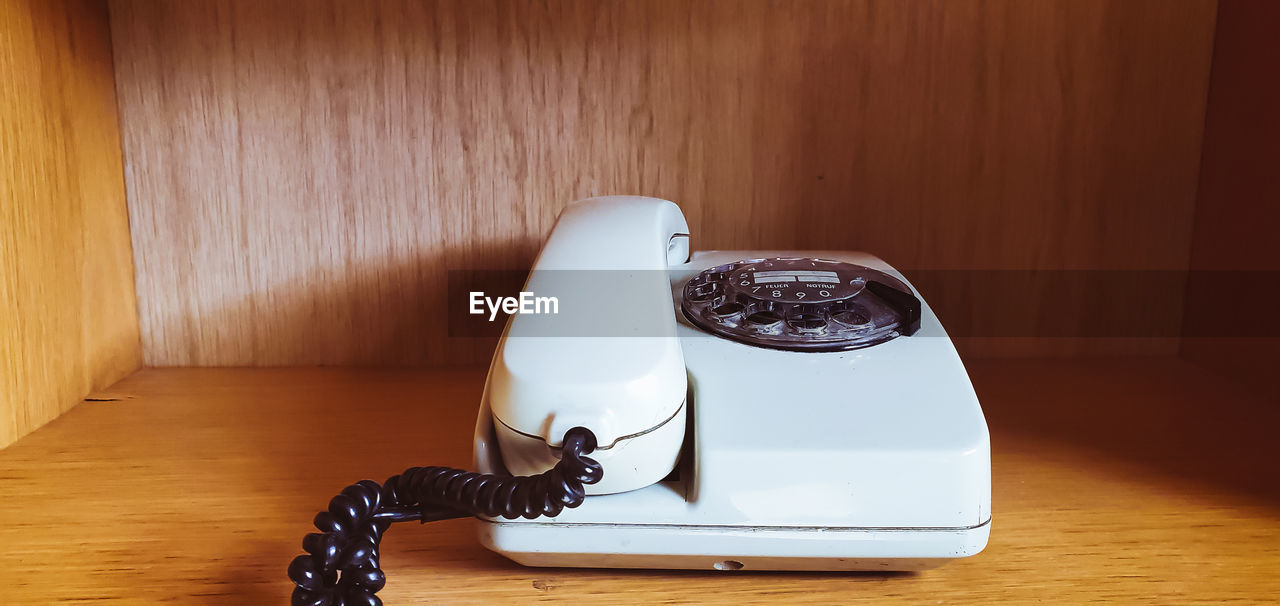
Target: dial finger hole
[(764, 319), (852, 318), (727, 310), (807, 323), (703, 292)]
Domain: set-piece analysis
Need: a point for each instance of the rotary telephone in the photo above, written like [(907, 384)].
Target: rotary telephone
[(727, 410)]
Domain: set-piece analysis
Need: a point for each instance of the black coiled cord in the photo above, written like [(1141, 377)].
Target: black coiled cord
[(341, 568)]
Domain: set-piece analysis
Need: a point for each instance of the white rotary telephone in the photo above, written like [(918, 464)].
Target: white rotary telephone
[(761, 410)]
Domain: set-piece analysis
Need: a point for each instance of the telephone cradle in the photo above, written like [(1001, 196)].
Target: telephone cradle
[(753, 410)]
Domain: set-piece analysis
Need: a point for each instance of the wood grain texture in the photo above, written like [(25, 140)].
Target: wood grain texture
[(1110, 483), (1238, 206), (302, 176), (68, 321)]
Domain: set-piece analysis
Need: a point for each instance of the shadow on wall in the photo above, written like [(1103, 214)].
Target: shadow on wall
[(388, 313)]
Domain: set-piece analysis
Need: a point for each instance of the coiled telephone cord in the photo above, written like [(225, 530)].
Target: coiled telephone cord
[(341, 566)]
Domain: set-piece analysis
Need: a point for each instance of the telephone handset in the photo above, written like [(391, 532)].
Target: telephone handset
[(622, 375), (725, 410)]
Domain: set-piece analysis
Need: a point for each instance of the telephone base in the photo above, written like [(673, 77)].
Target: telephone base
[(728, 548), (875, 458)]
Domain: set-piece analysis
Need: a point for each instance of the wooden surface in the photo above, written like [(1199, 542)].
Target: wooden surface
[(68, 321), (302, 175), (1238, 206), (1113, 480)]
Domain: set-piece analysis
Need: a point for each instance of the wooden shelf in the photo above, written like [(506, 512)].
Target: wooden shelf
[(1116, 479)]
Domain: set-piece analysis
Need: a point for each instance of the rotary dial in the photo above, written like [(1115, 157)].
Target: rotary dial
[(801, 304)]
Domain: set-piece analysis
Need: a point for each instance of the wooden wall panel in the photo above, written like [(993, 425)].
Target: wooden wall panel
[(1230, 324), (68, 322), (302, 175)]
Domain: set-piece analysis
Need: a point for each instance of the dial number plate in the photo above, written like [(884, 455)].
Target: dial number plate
[(795, 304)]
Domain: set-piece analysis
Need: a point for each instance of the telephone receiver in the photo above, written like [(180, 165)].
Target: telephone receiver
[(717, 410), (621, 372)]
